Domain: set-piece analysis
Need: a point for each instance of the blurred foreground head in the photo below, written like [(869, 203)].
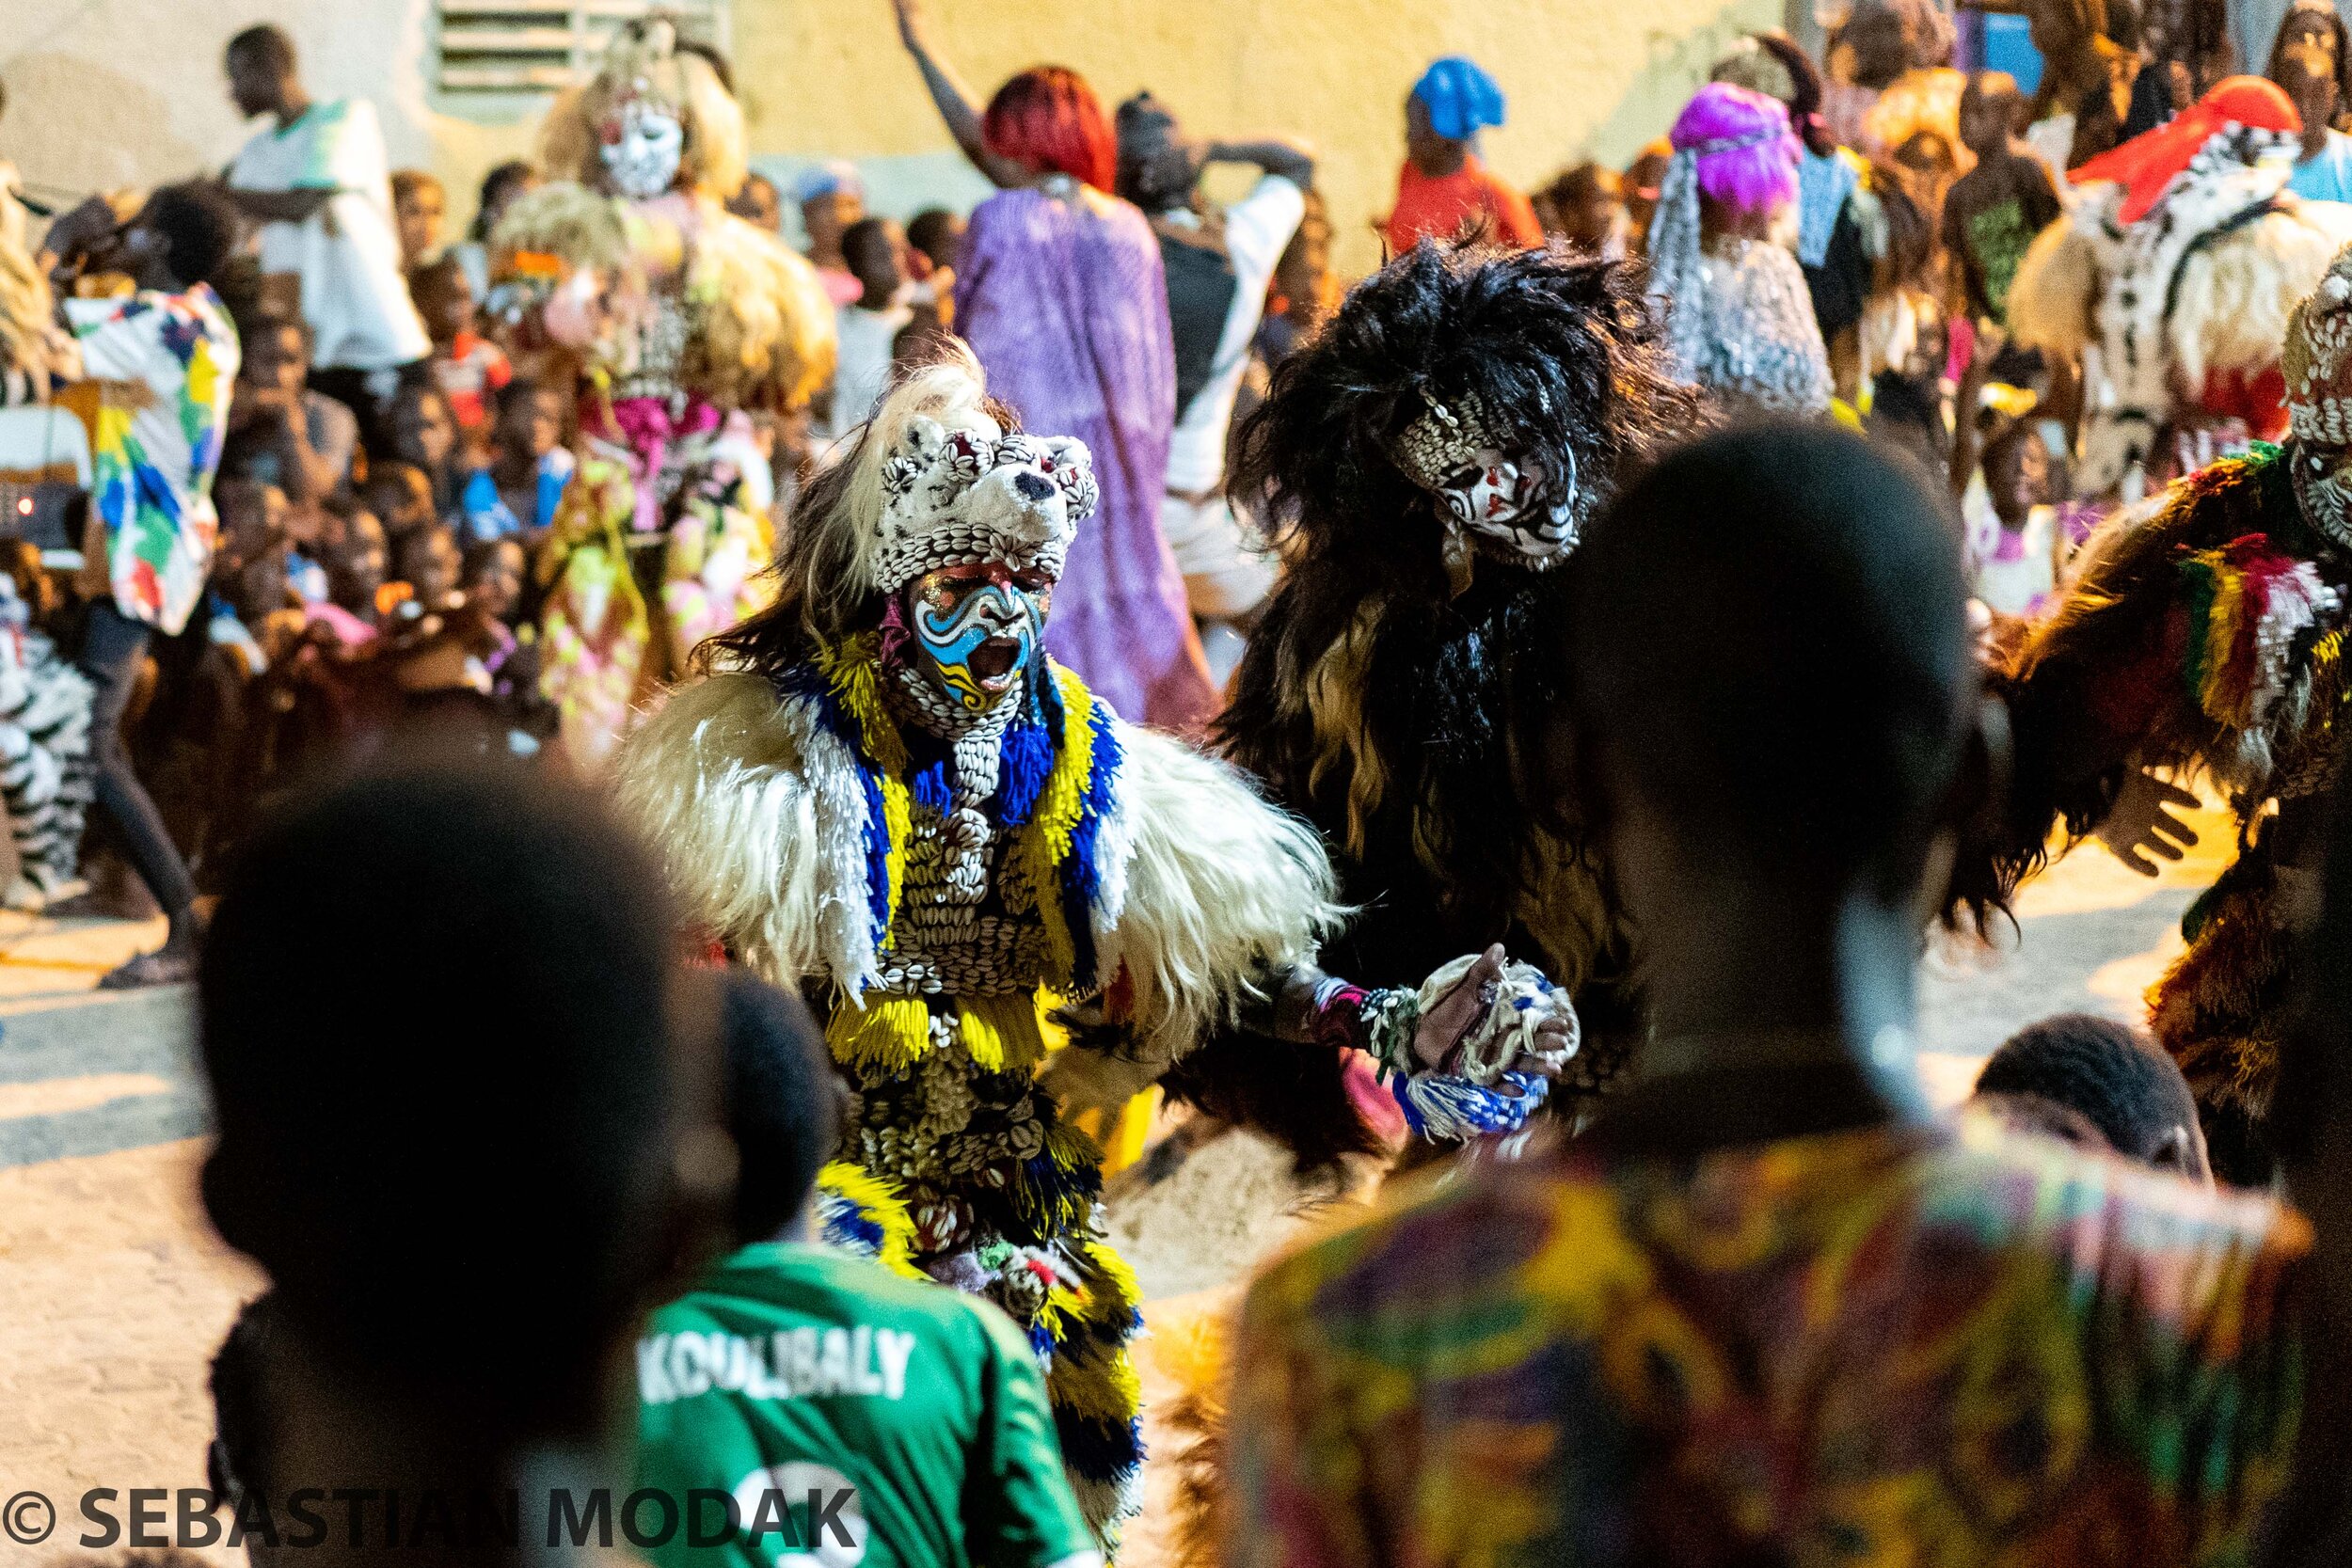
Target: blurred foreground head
[(1772, 673), (454, 1083)]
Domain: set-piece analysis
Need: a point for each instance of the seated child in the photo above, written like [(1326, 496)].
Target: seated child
[(875, 250), (280, 432), (2113, 1078), (356, 554), (425, 435), (516, 492), (2017, 560), (496, 580), (401, 495), (468, 367), (925, 1405), (427, 560)]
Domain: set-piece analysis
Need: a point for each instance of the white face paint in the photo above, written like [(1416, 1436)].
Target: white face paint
[(642, 146)]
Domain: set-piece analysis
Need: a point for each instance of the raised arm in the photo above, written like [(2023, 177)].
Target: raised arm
[(954, 100), (1289, 159), (280, 206)]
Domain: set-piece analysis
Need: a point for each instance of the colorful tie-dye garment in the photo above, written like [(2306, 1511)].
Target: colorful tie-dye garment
[(1932, 1347), (173, 359)]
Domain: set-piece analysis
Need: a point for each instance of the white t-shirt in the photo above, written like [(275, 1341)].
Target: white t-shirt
[(347, 253), (862, 371), (1257, 228)]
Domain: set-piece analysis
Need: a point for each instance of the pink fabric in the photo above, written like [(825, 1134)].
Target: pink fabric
[(348, 630), (1063, 298), (646, 427)]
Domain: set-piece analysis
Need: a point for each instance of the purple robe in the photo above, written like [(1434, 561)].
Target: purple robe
[(1063, 298)]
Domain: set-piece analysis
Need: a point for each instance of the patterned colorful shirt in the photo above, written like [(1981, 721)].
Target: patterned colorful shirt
[(1921, 1346), (157, 441)]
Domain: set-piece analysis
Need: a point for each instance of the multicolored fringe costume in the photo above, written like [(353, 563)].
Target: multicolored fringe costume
[(682, 319), (1127, 875), (2205, 633)]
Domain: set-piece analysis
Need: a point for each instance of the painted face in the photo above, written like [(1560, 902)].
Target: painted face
[(643, 144), (1503, 497), (978, 626)]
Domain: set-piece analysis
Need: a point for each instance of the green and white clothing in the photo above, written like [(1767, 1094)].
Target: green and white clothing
[(347, 253), (794, 1369)]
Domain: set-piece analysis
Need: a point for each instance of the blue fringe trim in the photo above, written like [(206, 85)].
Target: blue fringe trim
[(1028, 762), (1447, 1109), (1081, 877), (930, 791), (1097, 1449), (843, 1224)]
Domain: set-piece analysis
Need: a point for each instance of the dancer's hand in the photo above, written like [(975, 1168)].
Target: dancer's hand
[(2142, 823), (1450, 1022)]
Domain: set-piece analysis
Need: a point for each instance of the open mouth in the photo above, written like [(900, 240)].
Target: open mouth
[(992, 662)]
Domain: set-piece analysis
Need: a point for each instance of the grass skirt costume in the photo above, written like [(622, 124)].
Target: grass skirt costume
[(937, 871), (2206, 633)]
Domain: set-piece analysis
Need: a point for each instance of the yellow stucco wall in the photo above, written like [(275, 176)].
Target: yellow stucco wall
[(130, 91), (1584, 77)]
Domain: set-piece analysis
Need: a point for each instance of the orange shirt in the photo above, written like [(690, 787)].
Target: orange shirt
[(1471, 195)]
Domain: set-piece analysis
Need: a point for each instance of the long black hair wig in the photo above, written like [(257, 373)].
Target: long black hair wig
[(1407, 715)]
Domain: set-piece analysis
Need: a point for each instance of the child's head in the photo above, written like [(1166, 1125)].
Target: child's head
[(443, 295), (2121, 1083), (937, 235), (783, 1104), (419, 204), (832, 197), (920, 341), (356, 557), (2017, 473), (401, 497), (249, 569), (758, 204), (428, 562), (252, 515), (424, 432), (530, 421), (1584, 206), (874, 250), (493, 576), (500, 189), (277, 353), (1988, 113)]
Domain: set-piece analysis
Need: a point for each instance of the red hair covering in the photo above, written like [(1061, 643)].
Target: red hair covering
[(2146, 163), (1049, 118)]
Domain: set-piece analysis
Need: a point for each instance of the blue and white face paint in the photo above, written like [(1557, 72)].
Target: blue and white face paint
[(977, 627)]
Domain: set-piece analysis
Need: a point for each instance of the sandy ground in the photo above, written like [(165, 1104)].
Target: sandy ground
[(114, 1291)]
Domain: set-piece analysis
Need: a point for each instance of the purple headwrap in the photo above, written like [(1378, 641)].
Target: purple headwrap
[(1740, 139)]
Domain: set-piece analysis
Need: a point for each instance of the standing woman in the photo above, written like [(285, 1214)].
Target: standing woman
[(1739, 319), (1062, 296)]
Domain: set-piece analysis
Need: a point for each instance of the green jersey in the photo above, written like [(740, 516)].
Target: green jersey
[(853, 1418)]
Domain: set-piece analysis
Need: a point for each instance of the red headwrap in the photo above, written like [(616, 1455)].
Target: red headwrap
[(2146, 163)]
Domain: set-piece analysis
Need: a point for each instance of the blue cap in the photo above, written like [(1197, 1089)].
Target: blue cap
[(835, 174), (1460, 98)]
